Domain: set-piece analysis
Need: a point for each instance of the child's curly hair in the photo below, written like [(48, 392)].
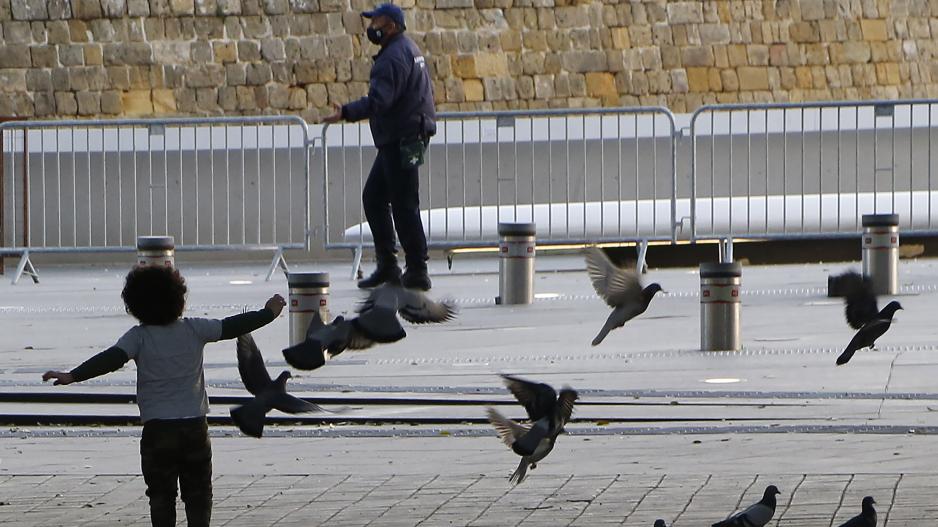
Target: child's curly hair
[(154, 295)]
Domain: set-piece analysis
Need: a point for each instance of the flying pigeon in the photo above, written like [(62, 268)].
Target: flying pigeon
[(867, 516), (325, 341), (413, 306), (268, 394), (620, 288), (548, 413), (756, 515), (863, 313), (869, 332)]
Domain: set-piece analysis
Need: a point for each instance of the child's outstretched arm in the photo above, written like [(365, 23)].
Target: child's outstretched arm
[(107, 361), (237, 325)]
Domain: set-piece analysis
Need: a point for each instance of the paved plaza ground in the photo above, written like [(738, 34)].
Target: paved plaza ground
[(663, 430)]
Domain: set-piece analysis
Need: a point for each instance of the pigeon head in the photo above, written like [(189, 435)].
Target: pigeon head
[(651, 289), (660, 523), (891, 308), (868, 502), (281, 379), (771, 490)]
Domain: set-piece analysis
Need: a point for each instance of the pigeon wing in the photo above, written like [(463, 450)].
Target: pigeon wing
[(358, 340), (418, 308), (615, 285), (757, 515), (293, 405), (858, 521), (379, 324), (508, 430), (251, 365), (565, 405), (315, 325), (859, 299), (538, 399)]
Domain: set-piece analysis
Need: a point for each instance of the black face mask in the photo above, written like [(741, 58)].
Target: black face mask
[(374, 35)]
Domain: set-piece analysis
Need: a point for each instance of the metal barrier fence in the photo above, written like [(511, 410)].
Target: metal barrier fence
[(220, 183), (587, 175), (811, 169)]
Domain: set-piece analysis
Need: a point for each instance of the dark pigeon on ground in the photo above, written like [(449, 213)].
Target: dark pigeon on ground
[(325, 341), (268, 394), (548, 413), (620, 288), (756, 515), (867, 516), (863, 313)]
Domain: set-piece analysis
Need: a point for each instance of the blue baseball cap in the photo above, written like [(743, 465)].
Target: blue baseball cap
[(389, 10)]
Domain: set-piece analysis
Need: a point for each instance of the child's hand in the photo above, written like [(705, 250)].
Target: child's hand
[(60, 377), (275, 304)]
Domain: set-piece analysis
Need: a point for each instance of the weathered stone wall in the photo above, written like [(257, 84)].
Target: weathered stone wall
[(65, 58)]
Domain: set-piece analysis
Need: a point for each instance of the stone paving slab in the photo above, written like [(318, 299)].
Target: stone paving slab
[(440, 499)]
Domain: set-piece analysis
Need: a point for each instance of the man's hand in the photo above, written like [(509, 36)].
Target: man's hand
[(275, 304), (60, 377), (335, 117)]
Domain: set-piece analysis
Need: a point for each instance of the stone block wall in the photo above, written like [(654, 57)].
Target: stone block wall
[(101, 58)]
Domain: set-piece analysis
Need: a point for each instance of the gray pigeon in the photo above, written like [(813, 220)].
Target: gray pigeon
[(325, 341), (756, 515), (660, 523), (548, 413), (268, 394), (869, 332), (620, 288), (413, 306), (867, 516)]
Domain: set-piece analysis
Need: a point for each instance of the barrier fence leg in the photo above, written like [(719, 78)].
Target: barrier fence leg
[(726, 250), (278, 260), (641, 266), (356, 262), (25, 267)]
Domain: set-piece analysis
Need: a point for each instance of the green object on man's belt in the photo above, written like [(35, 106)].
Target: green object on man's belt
[(412, 151)]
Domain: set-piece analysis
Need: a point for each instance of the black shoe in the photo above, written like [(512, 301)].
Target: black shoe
[(380, 276), (416, 279)]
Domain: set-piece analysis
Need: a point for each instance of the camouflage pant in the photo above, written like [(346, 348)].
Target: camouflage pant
[(172, 449)]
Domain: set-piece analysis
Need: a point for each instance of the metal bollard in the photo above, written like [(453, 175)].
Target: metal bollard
[(156, 250), (516, 249), (720, 306), (309, 293), (881, 252)]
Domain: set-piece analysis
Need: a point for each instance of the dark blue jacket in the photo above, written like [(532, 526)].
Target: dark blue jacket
[(399, 103)]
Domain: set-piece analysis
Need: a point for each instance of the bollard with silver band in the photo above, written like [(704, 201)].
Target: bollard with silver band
[(309, 293), (881, 252), (720, 306), (516, 248), (156, 250)]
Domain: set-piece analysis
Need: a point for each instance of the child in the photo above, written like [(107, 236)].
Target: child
[(171, 394)]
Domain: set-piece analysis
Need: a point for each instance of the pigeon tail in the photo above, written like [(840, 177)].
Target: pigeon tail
[(250, 418), (518, 476), (607, 327)]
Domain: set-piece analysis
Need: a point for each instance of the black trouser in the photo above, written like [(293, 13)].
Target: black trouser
[(174, 449), (393, 191)]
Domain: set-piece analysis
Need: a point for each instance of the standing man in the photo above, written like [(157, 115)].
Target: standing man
[(399, 108)]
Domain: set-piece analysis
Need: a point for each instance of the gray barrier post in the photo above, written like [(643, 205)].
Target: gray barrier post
[(881, 252), (309, 293), (156, 250), (720, 306), (516, 248)]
